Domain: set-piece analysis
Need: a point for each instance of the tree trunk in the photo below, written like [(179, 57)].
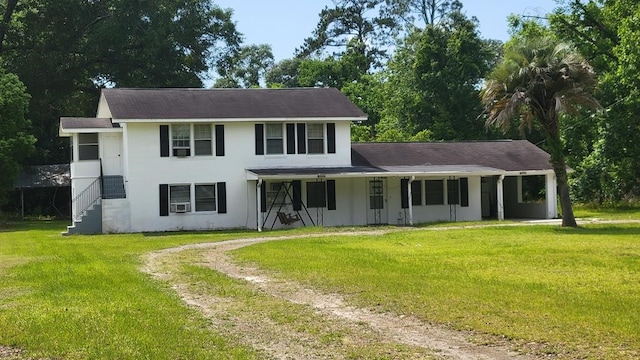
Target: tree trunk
[(6, 21), (560, 168)]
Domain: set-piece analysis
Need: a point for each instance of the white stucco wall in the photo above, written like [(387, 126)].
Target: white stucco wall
[(146, 170), (116, 216)]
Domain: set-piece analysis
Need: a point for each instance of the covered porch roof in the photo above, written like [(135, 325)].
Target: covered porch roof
[(281, 173)]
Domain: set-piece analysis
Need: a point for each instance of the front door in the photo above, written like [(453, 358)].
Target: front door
[(376, 202), (112, 148)]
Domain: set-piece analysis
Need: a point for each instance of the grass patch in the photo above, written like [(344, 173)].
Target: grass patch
[(608, 213), (82, 297), (575, 290), (240, 310)]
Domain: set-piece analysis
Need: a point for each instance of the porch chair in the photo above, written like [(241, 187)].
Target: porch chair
[(288, 219)]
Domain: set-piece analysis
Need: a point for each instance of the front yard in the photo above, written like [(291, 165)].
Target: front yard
[(572, 293)]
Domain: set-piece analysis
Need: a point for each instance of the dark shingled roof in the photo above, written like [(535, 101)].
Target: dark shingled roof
[(229, 103), (508, 155), (86, 123)]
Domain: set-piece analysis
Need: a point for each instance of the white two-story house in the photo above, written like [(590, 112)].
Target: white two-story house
[(198, 159)]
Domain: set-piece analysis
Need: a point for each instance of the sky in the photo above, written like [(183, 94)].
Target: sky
[(284, 24)]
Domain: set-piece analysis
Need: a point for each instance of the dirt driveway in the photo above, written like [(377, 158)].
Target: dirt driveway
[(379, 335)]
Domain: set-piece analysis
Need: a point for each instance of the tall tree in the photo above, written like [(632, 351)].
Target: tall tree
[(433, 79), (246, 67), (284, 73), (606, 33), (15, 139), (66, 50), (357, 24), (538, 81), (422, 13)]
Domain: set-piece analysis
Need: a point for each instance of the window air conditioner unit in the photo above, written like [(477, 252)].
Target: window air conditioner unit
[(181, 208), (181, 152)]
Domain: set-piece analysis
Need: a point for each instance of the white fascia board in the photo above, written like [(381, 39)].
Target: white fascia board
[(68, 132), (528, 172), (252, 120), (253, 176), (386, 174)]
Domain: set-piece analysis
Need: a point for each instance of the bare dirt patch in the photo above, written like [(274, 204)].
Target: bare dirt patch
[(361, 330)]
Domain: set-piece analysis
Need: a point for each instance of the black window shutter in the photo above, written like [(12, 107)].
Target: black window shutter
[(331, 194), (219, 140), (222, 198), (404, 193), (297, 194), (331, 138), (259, 139), (164, 199), (453, 193), (164, 140), (416, 192), (464, 192), (302, 139), (291, 138), (263, 197)]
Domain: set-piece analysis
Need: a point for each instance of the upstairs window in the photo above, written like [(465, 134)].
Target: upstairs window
[(88, 146), (315, 138), (275, 139), (202, 139), (181, 139)]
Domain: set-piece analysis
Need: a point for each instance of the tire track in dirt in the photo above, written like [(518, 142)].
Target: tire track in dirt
[(410, 331)]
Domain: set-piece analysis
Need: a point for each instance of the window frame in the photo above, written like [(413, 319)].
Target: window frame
[(88, 144), (197, 139), (527, 184), (176, 149), (175, 203), (198, 200), (276, 193), (316, 194), (311, 149), (429, 192), (269, 138)]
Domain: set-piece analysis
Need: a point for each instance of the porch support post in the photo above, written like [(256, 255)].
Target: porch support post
[(259, 204), (500, 198), (551, 196), (409, 202)]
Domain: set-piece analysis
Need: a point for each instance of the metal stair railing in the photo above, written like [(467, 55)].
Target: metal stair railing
[(86, 199)]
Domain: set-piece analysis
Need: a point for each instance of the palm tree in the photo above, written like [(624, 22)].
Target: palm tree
[(537, 82)]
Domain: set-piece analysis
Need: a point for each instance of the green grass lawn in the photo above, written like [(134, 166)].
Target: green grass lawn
[(574, 292), (83, 297)]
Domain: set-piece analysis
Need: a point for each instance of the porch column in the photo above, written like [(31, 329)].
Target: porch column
[(259, 204), (500, 198), (551, 196), (409, 202)]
